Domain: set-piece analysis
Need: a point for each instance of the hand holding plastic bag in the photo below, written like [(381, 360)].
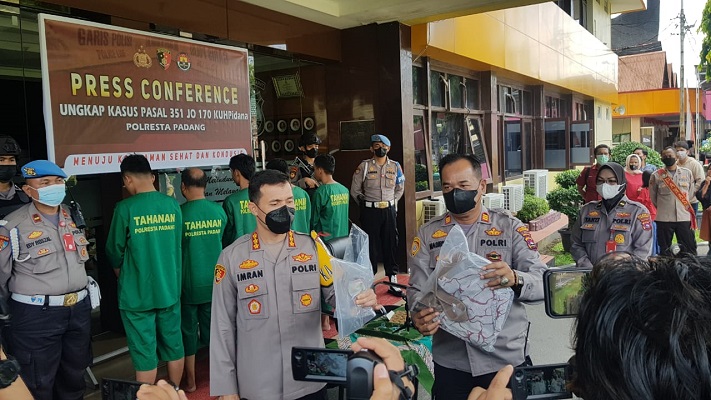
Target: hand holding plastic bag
[(352, 276), (468, 309)]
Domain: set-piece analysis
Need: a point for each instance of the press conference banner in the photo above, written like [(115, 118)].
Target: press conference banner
[(110, 91)]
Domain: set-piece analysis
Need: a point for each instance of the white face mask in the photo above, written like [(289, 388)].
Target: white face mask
[(681, 154), (608, 191)]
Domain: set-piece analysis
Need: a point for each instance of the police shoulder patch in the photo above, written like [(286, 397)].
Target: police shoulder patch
[(416, 245), (220, 273)]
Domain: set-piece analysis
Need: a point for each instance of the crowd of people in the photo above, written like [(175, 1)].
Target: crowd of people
[(249, 279)]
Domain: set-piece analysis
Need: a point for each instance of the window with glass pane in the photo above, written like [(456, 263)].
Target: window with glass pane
[(418, 85), (527, 103), (448, 136), (580, 141), (456, 92), (437, 89), (555, 144), (422, 176), (472, 86), (514, 146)]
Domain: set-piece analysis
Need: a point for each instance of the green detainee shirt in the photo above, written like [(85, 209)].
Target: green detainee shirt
[(329, 211), (302, 214), (203, 225), (240, 221), (144, 242)]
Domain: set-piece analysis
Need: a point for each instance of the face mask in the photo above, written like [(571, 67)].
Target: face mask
[(7, 172), (311, 153), (682, 154), (279, 221), (669, 161), (51, 195), (460, 201), (633, 167), (380, 152), (602, 159), (608, 191)]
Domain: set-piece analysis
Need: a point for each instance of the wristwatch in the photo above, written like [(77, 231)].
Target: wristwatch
[(518, 284)]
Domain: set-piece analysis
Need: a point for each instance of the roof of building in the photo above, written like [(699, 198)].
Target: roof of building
[(637, 32), (647, 71)]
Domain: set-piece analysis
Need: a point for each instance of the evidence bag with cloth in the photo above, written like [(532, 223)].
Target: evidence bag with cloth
[(351, 276), (468, 308)]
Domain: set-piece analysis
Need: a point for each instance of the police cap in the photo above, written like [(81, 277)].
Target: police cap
[(9, 146), (309, 138), (380, 138), (40, 168)]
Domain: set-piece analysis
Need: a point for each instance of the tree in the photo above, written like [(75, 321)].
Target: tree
[(705, 28)]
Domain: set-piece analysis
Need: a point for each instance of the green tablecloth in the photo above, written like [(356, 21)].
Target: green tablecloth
[(415, 348)]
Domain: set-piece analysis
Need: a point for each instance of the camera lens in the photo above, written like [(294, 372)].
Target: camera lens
[(519, 375), (298, 356)]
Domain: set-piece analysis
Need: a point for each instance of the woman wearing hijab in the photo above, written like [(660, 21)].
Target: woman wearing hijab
[(614, 223), (633, 174)]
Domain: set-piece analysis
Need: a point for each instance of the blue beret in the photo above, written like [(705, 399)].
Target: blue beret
[(40, 168), (380, 138)]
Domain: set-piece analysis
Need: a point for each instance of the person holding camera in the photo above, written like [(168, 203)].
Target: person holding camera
[(515, 265), (42, 276), (613, 224), (642, 332), (266, 299)]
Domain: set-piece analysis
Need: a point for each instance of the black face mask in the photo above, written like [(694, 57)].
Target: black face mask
[(633, 167), (380, 152), (460, 201), (669, 161), (7, 172), (311, 153), (279, 221)]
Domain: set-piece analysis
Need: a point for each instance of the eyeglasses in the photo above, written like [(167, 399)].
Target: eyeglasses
[(611, 181)]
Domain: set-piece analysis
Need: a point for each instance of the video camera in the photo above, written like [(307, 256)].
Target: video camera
[(353, 370), (563, 290)]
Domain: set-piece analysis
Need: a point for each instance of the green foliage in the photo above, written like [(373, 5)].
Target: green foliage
[(567, 201), (622, 150), (421, 186), (566, 179), (422, 180), (705, 29), (528, 191), (533, 207)]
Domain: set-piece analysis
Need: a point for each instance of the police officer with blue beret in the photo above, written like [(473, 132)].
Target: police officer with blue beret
[(378, 184), (42, 256)]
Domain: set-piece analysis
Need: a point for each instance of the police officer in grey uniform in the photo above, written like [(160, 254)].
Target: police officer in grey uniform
[(11, 197), (42, 256), (614, 223), (266, 300), (378, 184), (516, 265)]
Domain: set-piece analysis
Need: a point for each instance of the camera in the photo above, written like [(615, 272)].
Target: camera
[(354, 370), (563, 289), (541, 382), (116, 389)]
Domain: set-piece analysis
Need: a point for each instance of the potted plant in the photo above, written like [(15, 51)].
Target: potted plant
[(566, 199)]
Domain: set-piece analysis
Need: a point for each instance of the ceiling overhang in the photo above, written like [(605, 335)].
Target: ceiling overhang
[(343, 14), (626, 6)]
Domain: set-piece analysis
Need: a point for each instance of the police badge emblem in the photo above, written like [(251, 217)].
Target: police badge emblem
[(141, 59), (183, 62), (164, 57)]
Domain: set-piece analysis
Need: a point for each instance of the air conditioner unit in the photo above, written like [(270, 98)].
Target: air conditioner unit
[(513, 197), (432, 209), (537, 179), (493, 200)]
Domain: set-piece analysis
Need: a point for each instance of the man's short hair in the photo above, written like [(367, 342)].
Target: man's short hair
[(194, 177), (682, 144), (244, 164), (669, 148), (135, 164), (263, 178), (601, 146), (454, 157), (645, 152), (644, 330), (326, 162), (278, 164)]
